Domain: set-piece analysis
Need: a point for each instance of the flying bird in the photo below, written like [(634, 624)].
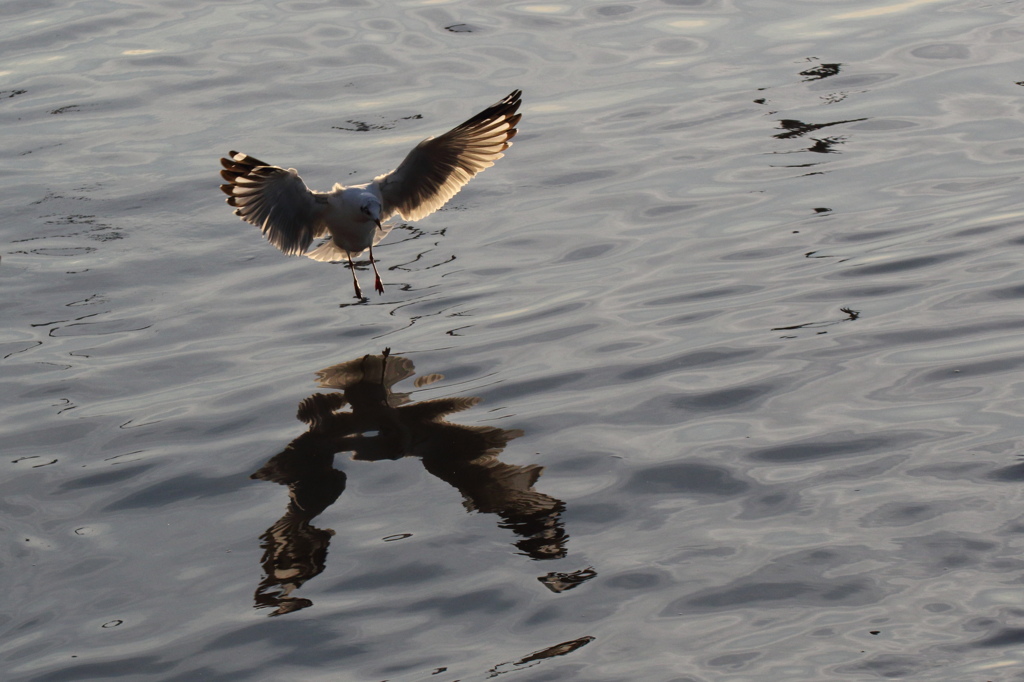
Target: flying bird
[(291, 216)]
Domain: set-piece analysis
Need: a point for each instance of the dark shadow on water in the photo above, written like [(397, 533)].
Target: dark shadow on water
[(821, 71), (366, 418), (795, 128), (536, 657)]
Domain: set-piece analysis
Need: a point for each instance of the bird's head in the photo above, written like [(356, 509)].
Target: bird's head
[(372, 209)]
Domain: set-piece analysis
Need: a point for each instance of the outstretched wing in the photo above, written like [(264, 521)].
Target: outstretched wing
[(275, 200), (438, 167)]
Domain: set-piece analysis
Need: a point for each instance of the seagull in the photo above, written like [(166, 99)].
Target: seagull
[(291, 216)]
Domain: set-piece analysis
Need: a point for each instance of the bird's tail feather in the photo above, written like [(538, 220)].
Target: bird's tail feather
[(329, 252)]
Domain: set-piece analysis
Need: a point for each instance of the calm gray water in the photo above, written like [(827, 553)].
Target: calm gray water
[(716, 376)]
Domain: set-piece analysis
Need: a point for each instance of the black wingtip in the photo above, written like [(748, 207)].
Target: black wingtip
[(506, 107), (514, 98)]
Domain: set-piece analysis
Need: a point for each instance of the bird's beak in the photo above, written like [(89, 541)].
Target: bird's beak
[(378, 225)]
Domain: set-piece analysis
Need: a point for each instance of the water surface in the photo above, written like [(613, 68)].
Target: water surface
[(714, 376)]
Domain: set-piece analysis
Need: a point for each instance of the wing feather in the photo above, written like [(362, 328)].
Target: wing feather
[(276, 200), (438, 167)]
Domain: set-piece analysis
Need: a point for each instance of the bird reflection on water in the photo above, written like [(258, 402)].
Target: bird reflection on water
[(382, 425)]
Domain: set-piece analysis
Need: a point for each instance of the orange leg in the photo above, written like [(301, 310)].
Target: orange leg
[(377, 284), (355, 282)]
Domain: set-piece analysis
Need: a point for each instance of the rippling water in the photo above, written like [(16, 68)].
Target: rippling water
[(714, 376)]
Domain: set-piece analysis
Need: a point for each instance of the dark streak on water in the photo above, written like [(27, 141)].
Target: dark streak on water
[(715, 376)]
